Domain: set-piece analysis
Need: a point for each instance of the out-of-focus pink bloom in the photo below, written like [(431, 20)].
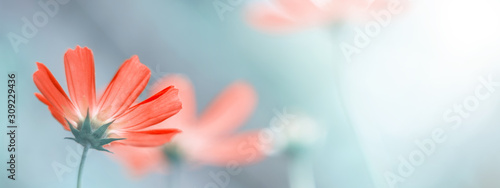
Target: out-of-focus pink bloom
[(206, 139), (285, 15)]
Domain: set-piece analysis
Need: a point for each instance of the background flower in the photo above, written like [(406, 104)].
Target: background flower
[(207, 138), (283, 15)]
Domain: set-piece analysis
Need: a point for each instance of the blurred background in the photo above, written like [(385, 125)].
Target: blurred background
[(404, 110)]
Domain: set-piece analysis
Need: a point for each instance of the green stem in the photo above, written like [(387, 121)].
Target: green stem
[(82, 162), (301, 173)]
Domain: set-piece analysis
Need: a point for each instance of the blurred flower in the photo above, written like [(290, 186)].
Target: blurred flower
[(207, 139), (298, 135), (98, 122), (284, 15)]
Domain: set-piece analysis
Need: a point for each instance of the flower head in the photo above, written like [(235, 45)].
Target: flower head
[(299, 135), (286, 15), (113, 117), (206, 139)]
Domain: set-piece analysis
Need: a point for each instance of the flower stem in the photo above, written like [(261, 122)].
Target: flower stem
[(301, 173), (82, 162)]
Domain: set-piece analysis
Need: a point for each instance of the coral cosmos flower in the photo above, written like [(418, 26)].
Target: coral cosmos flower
[(206, 139), (291, 14), (113, 117)]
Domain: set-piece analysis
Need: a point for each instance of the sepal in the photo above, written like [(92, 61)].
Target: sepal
[(94, 139)]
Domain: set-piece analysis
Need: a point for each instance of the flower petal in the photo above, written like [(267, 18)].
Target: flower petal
[(187, 116), (42, 99), (230, 109), (139, 160), (124, 88), (146, 138), (242, 149), (268, 18), (80, 76), (54, 94), (57, 115), (151, 111), (298, 8)]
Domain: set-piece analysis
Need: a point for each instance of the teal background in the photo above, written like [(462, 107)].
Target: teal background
[(428, 59)]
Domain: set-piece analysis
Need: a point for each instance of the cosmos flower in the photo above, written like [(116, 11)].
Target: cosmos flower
[(284, 15), (206, 139), (96, 123), (113, 118)]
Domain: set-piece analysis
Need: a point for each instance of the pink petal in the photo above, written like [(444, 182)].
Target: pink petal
[(298, 8), (241, 149), (124, 88), (267, 18), (54, 94), (151, 111), (229, 110), (139, 160), (186, 95), (147, 138), (58, 116), (80, 76)]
